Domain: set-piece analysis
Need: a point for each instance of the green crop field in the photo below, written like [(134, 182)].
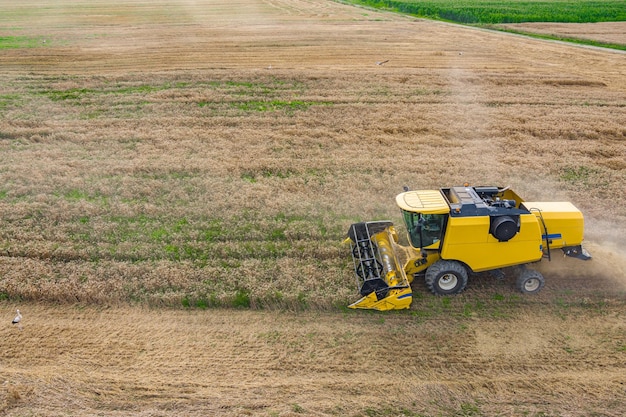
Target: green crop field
[(508, 11), (495, 14)]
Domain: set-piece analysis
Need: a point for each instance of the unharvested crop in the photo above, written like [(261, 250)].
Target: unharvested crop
[(137, 174)]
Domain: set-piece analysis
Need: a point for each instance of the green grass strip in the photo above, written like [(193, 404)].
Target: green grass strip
[(16, 42), (509, 11)]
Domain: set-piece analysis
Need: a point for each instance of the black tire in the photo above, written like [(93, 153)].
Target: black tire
[(446, 277), (530, 281)]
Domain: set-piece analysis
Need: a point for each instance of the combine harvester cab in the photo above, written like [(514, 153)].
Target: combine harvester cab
[(454, 232)]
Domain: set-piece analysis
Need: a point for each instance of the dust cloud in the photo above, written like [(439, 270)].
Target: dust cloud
[(605, 273), (605, 241)]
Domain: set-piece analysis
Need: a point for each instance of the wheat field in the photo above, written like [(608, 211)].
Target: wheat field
[(176, 178)]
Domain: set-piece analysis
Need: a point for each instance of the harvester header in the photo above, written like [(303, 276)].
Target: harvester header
[(455, 232)]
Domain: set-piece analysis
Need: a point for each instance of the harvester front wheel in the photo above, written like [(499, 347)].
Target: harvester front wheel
[(530, 281), (446, 277)]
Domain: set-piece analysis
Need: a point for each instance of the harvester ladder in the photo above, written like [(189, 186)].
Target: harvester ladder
[(545, 230)]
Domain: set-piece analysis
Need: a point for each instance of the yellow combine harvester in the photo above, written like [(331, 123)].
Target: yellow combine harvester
[(454, 232)]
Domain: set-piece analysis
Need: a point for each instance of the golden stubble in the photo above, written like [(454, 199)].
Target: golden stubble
[(230, 362)]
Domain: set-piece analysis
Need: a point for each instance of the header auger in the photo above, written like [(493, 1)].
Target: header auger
[(454, 232)]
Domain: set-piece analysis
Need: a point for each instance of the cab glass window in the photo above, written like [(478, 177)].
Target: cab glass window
[(431, 226)]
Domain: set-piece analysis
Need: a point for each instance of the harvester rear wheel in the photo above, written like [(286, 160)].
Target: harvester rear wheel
[(446, 277), (530, 281)]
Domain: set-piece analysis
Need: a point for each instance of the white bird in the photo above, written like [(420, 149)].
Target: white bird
[(382, 62), (18, 320)]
